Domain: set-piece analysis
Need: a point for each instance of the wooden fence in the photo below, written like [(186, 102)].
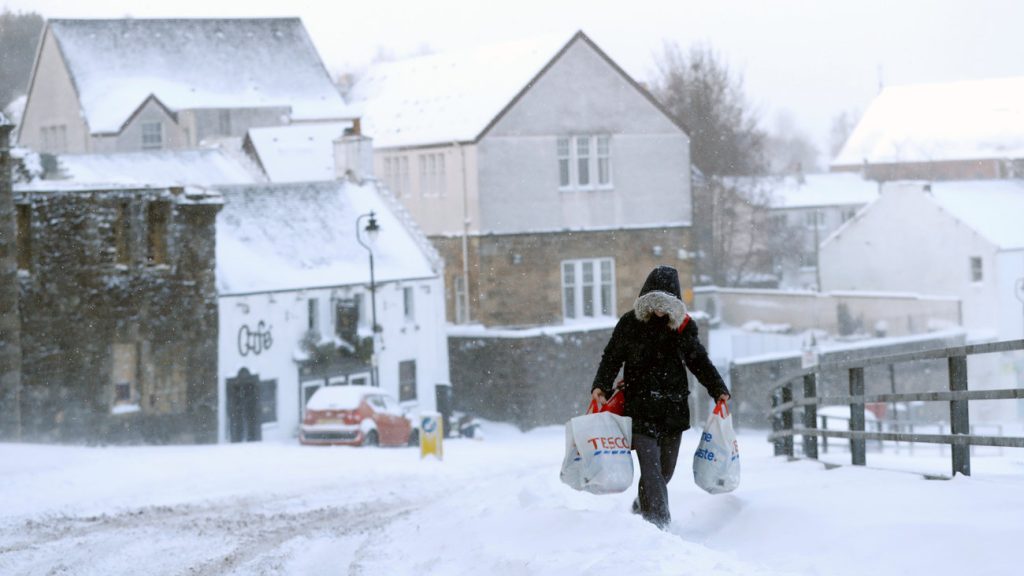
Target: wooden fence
[(958, 396)]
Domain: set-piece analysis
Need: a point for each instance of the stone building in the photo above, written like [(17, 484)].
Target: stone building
[(118, 313), (10, 321)]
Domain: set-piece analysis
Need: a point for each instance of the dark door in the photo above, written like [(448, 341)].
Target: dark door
[(244, 407)]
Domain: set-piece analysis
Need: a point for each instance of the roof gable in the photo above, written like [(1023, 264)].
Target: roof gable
[(459, 96), (444, 98), (970, 120), (194, 63)]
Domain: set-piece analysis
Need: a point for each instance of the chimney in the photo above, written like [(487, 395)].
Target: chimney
[(10, 317), (353, 154)]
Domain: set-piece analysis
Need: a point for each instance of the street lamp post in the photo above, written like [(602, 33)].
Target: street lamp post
[(372, 231)]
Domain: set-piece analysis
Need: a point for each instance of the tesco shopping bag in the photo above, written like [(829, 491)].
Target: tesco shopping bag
[(716, 463), (597, 453)]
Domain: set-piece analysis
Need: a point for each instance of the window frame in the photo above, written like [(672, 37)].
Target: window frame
[(149, 140), (976, 269), (601, 300), (591, 154), (409, 304)]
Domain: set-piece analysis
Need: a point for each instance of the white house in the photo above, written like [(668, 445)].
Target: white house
[(538, 160), (295, 303), (145, 84), (970, 129), (962, 239), (814, 205)]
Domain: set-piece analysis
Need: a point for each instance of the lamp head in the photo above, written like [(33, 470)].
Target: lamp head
[(372, 229)]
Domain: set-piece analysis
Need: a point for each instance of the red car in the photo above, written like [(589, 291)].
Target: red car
[(355, 416)]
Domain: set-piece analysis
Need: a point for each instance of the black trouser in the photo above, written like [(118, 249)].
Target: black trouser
[(657, 463)]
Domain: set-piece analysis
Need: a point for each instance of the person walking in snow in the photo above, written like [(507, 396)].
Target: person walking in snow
[(656, 341)]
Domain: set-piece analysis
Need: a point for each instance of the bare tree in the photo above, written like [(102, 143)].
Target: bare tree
[(19, 37), (731, 216), (842, 126)]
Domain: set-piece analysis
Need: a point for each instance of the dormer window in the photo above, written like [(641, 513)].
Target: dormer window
[(152, 136)]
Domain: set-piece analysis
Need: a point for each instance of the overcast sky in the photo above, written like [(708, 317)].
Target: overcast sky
[(799, 58)]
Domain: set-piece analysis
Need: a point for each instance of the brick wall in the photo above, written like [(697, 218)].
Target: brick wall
[(87, 306), (515, 279)]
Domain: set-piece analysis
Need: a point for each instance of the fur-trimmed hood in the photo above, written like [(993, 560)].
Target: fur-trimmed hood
[(658, 301)]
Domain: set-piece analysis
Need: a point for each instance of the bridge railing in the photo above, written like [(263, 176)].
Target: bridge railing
[(958, 395)]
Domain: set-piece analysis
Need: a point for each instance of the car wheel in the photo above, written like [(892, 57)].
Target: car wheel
[(414, 438), (371, 439)]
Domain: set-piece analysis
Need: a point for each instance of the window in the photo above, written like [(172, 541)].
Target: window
[(346, 319), (224, 122), (814, 218), (152, 135), (977, 273), (406, 380), (362, 379), (588, 288), (409, 301), (313, 308), (848, 214), (461, 307), (124, 373), (584, 162), (156, 219), (122, 233), (24, 237), (604, 161), (54, 138), (563, 163), (396, 175), (432, 175), (268, 401)]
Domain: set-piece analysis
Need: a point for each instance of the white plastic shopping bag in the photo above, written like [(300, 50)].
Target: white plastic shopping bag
[(597, 453), (716, 463)]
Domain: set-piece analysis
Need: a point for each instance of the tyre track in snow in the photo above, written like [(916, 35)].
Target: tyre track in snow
[(244, 527)]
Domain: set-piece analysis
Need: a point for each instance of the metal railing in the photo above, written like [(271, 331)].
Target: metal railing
[(960, 439)]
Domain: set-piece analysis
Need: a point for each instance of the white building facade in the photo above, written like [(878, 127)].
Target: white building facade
[(295, 305)]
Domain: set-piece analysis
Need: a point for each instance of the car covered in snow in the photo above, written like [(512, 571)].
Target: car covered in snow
[(355, 416)]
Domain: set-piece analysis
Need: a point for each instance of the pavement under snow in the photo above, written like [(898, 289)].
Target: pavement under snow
[(492, 507)]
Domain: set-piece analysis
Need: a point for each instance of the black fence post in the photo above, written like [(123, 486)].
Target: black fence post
[(959, 418), (787, 418), (810, 417), (858, 452), (776, 424)]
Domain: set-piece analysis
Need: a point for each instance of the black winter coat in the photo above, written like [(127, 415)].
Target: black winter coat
[(656, 351)]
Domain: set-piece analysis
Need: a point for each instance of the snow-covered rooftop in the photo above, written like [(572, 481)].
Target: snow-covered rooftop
[(992, 208), (450, 97), (965, 120), (816, 190), (295, 236), (195, 63), (298, 152), (158, 168)]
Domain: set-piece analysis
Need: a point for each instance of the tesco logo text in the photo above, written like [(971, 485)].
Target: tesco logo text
[(609, 442)]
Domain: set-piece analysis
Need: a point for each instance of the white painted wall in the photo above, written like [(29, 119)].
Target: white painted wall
[(52, 101), (906, 242), (581, 93), (457, 201), (285, 316)]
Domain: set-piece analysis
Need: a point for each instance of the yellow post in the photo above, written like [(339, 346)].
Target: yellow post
[(431, 434)]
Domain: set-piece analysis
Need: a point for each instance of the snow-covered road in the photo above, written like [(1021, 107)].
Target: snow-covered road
[(494, 507)]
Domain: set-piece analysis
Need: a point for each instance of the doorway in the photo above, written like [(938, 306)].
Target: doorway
[(243, 404)]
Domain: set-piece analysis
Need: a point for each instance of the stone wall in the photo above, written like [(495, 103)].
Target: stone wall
[(536, 379), (516, 279), (10, 321), (97, 311), (889, 314)]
